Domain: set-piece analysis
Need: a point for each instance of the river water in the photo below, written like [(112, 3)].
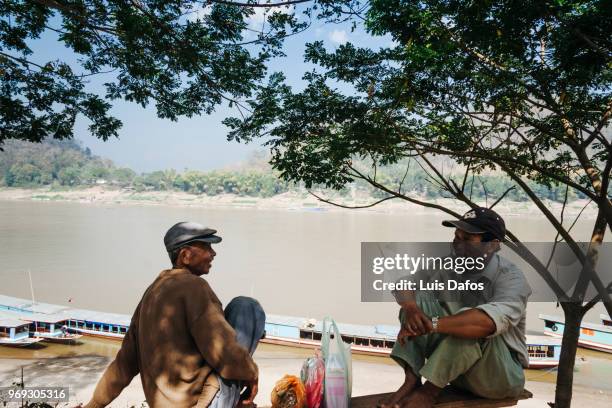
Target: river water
[(300, 263)]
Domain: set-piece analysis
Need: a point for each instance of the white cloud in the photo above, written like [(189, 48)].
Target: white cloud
[(258, 17), (256, 20), (199, 13), (338, 36)]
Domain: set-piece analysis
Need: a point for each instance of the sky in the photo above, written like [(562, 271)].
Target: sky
[(147, 143)]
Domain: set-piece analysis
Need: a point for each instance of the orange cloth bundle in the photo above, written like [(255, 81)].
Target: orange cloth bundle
[(289, 392)]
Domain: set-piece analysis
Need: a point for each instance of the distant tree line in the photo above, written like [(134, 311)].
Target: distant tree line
[(491, 186), (66, 164)]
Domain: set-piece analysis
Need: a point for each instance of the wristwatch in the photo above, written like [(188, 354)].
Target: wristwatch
[(434, 323)]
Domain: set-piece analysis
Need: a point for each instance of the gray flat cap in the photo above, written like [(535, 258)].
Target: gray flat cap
[(185, 232)]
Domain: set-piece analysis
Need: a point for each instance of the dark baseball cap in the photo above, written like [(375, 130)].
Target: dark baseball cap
[(480, 220), (183, 233)]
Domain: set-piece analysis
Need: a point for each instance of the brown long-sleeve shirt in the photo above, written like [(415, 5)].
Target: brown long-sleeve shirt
[(178, 338)]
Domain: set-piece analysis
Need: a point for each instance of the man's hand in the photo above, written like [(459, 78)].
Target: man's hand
[(416, 323), (252, 388)]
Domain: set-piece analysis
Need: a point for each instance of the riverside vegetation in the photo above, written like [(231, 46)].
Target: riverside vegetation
[(67, 164)]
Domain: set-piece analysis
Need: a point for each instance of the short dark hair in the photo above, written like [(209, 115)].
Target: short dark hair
[(174, 255)]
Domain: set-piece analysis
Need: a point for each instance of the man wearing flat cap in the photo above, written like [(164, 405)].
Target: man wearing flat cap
[(475, 341), (188, 350)]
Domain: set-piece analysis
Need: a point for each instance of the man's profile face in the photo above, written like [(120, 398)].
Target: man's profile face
[(468, 245), (198, 257)]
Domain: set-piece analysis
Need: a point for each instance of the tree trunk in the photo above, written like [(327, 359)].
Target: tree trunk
[(565, 373)]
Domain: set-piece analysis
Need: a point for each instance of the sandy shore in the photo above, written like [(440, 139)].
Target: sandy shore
[(371, 375), (294, 201)]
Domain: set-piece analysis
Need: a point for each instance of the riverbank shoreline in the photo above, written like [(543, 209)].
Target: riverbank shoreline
[(290, 201)]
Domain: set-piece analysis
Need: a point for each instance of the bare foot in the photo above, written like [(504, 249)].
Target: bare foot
[(410, 383), (422, 397)]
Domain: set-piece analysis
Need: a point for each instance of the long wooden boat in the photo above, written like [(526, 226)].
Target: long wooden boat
[(98, 324), (48, 327), (51, 328), (76, 322), (592, 336), (376, 340), (379, 340), (301, 332), (15, 333)]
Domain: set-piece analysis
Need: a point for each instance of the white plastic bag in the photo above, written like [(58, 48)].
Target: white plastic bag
[(338, 366)]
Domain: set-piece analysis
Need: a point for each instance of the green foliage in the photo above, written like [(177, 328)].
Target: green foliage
[(24, 164), (65, 165), (518, 87), (184, 59), (251, 183)]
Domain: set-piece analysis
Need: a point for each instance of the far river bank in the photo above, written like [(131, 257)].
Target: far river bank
[(292, 201)]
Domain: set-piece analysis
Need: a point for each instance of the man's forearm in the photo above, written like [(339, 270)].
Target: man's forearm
[(111, 384), (469, 324)]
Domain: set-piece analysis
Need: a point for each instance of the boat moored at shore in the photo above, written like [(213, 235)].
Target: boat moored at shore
[(99, 324), (592, 336), (15, 333), (50, 327), (378, 340), (375, 340)]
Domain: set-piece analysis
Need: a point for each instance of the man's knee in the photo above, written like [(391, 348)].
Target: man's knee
[(243, 308), (244, 304), (452, 349), (452, 342)]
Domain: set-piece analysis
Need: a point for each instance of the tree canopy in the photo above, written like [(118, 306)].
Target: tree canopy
[(521, 87), (186, 57)]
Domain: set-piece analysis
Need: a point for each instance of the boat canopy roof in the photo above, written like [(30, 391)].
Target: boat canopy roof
[(592, 326), (33, 317), (383, 332), (30, 307), (542, 341), (49, 313), (42, 318), (99, 317), (14, 302), (10, 322)]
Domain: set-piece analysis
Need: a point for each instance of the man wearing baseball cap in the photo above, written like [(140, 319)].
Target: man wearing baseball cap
[(188, 350), (476, 343)]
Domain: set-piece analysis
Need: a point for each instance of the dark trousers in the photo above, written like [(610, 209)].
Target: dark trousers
[(248, 319)]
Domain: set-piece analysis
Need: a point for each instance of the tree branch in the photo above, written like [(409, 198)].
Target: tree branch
[(255, 5), (361, 176), (502, 196), (484, 155), (349, 206)]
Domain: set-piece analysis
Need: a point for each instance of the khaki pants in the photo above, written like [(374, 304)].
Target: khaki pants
[(485, 367)]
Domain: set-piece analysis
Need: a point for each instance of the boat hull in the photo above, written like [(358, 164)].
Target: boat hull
[(93, 333), (68, 339), (27, 342), (534, 364)]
